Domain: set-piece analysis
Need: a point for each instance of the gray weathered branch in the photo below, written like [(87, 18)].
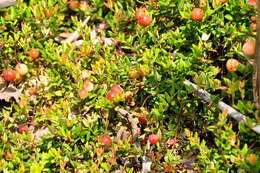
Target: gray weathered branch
[(7, 3), (222, 106)]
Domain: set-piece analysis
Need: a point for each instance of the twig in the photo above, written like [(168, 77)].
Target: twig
[(145, 100), (75, 35), (222, 106)]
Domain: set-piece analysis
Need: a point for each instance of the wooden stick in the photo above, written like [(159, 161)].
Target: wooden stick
[(7, 3), (75, 35), (222, 106)]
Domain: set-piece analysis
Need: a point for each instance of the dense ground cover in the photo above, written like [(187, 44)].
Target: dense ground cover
[(103, 103)]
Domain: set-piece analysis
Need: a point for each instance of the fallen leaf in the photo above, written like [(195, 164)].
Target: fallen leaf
[(3, 84), (122, 134), (119, 171), (102, 27), (133, 121), (9, 92), (4, 4), (65, 34), (78, 43), (189, 160), (109, 41), (39, 133)]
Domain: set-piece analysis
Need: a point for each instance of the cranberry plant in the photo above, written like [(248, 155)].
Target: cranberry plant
[(114, 95)]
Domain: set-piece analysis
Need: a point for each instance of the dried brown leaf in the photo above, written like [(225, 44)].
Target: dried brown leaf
[(10, 92), (65, 34), (39, 133), (119, 171), (122, 134), (188, 161), (133, 121)]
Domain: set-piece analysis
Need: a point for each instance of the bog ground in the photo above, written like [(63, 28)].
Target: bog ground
[(98, 86)]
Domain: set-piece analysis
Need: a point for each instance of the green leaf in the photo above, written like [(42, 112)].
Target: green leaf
[(229, 17)]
